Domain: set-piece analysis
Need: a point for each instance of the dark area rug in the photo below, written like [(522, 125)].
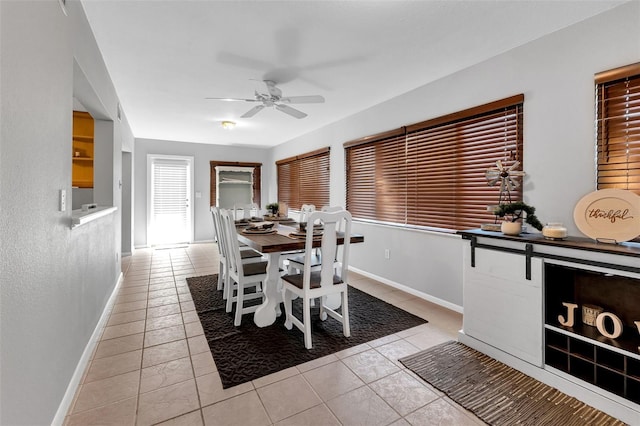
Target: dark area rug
[(248, 352), (497, 393)]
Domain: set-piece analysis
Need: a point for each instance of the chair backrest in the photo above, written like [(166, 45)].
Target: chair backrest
[(234, 260), (248, 210), (331, 221), (305, 211), (215, 214), (334, 209)]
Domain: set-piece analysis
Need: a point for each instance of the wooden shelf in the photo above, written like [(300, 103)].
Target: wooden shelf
[(595, 364), (83, 138), (82, 151), (581, 350)]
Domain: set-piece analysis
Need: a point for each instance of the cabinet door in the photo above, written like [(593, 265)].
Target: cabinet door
[(501, 307)]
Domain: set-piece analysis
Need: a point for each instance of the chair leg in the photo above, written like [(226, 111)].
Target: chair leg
[(286, 298), (323, 313), (306, 318), (239, 306), (229, 288), (346, 328), (221, 276)]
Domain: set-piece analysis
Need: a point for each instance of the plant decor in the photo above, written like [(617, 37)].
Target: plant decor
[(515, 210), (273, 208)]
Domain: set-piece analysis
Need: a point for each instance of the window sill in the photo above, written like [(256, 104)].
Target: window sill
[(79, 217)]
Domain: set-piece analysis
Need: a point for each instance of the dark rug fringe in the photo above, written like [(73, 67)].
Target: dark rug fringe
[(497, 393)]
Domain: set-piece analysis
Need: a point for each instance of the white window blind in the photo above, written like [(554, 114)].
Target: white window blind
[(170, 203)]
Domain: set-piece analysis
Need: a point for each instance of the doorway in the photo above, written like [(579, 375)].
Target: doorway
[(169, 199)]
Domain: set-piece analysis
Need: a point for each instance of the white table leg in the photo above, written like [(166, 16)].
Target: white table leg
[(334, 300), (267, 312)]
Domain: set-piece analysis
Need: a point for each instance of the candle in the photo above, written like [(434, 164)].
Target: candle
[(554, 231)]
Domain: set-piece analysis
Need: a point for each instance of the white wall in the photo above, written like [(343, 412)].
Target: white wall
[(555, 73), (55, 280), (203, 154)]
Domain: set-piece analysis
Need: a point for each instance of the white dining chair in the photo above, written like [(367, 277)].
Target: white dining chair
[(241, 276), (296, 262), (305, 211), (248, 211), (310, 285), (247, 254)]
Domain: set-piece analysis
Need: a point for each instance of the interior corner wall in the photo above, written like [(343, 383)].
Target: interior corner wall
[(56, 280), (555, 73), (202, 154)]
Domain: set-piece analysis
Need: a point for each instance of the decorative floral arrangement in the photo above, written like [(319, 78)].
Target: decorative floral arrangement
[(515, 210), (273, 208)]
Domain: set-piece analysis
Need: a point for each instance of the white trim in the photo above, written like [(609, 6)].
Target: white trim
[(190, 161), (80, 217), (410, 290), (70, 393)]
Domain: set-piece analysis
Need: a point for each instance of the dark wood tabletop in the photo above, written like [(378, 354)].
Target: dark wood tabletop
[(281, 241)]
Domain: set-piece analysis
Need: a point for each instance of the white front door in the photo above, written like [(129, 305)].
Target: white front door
[(169, 206)]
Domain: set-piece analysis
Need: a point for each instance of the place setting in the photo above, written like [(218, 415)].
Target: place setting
[(260, 228), (301, 231)]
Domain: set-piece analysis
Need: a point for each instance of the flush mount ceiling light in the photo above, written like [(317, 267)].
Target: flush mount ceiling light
[(228, 125)]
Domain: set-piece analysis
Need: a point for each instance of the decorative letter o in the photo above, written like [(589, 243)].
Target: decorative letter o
[(617, 325)]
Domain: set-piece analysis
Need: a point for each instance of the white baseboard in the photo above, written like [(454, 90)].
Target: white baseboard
[(410, 290), (67, 400)]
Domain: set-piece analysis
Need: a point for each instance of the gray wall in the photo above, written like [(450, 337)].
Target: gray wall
[(203, 154), (55, 280), (555, 73)]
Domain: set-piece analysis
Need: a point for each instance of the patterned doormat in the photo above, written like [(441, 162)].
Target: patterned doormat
[(497, 393), (248, 352)]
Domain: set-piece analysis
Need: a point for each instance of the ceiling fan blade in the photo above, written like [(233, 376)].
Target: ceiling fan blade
[(312, 99), (253, 111), (291, 111), (273, 90), (233, 99)]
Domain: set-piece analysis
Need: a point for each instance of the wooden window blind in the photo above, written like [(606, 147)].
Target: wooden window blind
[(432, 174), (304, 179), (618, 128)]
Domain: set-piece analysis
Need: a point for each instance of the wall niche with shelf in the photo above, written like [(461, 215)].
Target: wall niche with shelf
[(82, 150)]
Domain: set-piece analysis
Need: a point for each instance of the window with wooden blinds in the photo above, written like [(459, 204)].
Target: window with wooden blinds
[(432, 174), (304, 179), (618, 128)]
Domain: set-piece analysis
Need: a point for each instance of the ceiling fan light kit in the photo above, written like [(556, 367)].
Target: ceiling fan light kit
[(274, 98)]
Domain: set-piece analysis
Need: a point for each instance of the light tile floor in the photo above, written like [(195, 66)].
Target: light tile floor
[(153, 365)]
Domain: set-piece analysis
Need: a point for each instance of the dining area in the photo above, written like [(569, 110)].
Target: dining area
[(276, 259)]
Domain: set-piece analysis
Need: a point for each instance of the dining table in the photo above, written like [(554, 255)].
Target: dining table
[(272, 245)]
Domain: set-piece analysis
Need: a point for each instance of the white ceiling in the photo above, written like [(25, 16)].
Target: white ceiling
[(165, 57)]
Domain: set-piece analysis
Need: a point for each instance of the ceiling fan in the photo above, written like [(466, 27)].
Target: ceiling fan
[(274, 98)]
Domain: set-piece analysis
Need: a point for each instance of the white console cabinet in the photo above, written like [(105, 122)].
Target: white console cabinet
[(517, 292)]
